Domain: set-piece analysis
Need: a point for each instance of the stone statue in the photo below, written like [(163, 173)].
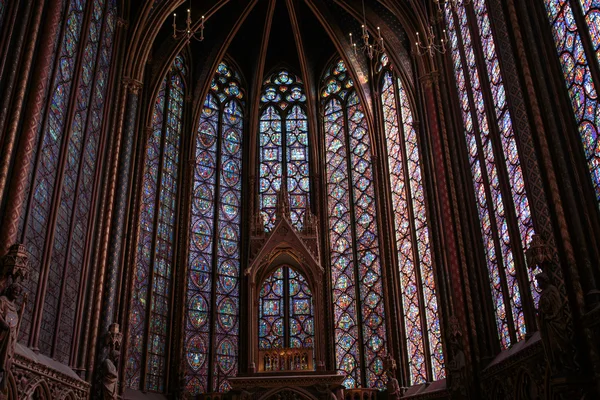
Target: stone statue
[(457, 365), (109, 372), (393, 387), (9, 329), (552, 325)]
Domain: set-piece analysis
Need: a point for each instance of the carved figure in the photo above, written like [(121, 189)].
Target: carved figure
[(110, 376), (393, 387), (9, 329), (552, 325), (109, 373)]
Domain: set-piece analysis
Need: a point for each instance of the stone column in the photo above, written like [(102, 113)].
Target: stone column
[(119, 206), (32, 120)]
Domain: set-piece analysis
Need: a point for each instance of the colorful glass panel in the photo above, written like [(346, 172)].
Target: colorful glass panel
[(63, 247), (214, 253), (578, 77), (52, 134), (271, 311), (284, 153), (480, 185), (151, 295), (507, 137), (286, 317), (414, 259), (591, 11), (353, 235)]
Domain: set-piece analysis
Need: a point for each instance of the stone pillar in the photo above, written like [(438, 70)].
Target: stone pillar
[(119, 206), (33, 118)]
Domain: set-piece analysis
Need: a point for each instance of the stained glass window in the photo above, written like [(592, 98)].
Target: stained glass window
[(151, 296), (575, 63), (283, 154), (65, 178), (417, 283), (285, 311), (486, 128), (359, 315), (213, 283)]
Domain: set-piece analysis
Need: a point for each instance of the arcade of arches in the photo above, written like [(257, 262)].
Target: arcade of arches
[(300, 199)]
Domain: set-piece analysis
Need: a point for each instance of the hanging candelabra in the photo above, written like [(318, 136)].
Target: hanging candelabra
[(187, 32), (371, 48), (441, 4), (430, 45)]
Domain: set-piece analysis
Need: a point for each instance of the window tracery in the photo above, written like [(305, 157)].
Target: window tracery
[(497, 175), (283, 157), (285, 311), (576, 67), (359, 312), (151, 297), (56, 217), (417, 283), (213, 284)]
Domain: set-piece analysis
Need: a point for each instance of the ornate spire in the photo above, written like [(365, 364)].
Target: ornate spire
[(283, 203)]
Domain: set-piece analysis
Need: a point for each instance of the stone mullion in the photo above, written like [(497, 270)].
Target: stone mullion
[(486, 181), (413, 233), (215, 248), (12, 108), (108, 118), (46, 261), (323, 210), (495, 136), (394, 326), (85, 135), (476, 280)]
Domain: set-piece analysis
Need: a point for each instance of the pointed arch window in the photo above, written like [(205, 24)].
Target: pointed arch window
[(211, 343), (578, 60), (501, 199), (285, 311), (150, 308), (57, 217), (417, 283), (359, 312), (283, 147)]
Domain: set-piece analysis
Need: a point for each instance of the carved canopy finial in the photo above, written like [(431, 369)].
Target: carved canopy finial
[(309, 226), (114, 337), (283, 203), (15, 264), (539, 253)]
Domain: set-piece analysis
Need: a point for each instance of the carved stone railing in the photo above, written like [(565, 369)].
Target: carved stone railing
[(286, 360), (36, 376)]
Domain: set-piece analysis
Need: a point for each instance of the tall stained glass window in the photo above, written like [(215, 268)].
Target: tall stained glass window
[(577, 61), (150, 309), (285, 311), (495, 166), (283, 154), (57, 214), (359, 315), (417, 283), (213, 282)]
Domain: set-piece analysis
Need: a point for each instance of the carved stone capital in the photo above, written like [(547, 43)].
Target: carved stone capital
[(132, 85), (122, 23), (429, 79)]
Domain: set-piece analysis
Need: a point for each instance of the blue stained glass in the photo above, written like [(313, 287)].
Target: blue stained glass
[(283, 151), (214, 344)]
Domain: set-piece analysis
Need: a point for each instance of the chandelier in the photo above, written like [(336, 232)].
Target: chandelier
[(187, 32), (371, 48), (441, 4), (430, 45)]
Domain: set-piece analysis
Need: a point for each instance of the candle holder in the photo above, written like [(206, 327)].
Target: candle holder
[(374, 49), (430, 46), (187, 32)]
